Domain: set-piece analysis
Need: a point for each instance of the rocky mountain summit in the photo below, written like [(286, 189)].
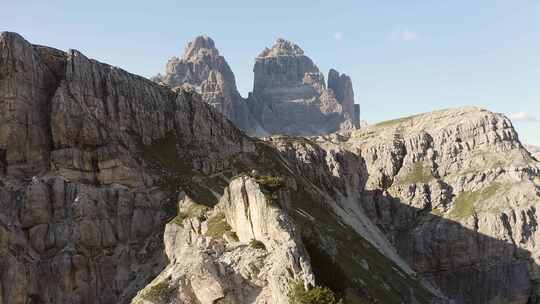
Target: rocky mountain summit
[(116, 189), (289, 95), (205, 71)]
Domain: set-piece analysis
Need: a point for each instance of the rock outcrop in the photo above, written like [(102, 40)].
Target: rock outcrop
[(84, 198), (289, 95), (93, 175), (454, 191), (206, 71), (246, 250)]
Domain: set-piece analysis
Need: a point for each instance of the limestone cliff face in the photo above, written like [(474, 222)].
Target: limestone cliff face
[(246, 250), (341, 85), (454, 191), (289, 96), (205, 70), (93, 161)]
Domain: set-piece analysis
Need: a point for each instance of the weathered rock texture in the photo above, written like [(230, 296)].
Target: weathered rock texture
[(247, 250), (455, 193), (207, 72), (289, 95), (425, 209), (93, 161)]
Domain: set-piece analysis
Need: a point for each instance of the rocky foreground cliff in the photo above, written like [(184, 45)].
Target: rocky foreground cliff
[(116, 189)]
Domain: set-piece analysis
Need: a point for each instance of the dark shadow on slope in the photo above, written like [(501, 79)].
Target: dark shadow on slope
[(468, 266)]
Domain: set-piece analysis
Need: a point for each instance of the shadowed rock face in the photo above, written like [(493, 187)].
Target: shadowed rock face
[(423, 209), (289, 96)]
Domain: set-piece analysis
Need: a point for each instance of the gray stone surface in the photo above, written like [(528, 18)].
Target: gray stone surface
[(94, 160), (289, 96), (454, 191)]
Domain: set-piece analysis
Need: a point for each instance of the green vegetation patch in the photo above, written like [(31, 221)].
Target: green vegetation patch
[(466, 201), (316, 295), (228, 299), (338, 256), (270, 185), (232, 235), (193, 211), (418, 174), (3, 241), (217, 226), (257, 244), (159, 293), (394, 122)]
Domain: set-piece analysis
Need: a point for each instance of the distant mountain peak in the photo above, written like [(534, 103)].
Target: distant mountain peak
[(282, 47), (200, 46)]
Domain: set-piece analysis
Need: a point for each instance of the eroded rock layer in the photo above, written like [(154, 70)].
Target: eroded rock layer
[(116, 189), (94, 163)]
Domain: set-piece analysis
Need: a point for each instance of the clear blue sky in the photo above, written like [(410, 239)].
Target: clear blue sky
[(404, 57)]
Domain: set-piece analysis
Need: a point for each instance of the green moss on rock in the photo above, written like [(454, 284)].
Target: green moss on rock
[(3, 241), (316, 295), (394, 122), (217, 226), (271, 183), (465, 202), (193, 211), (418, 174), (159, 293)]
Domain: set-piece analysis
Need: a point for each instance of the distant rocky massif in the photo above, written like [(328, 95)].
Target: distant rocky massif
[(117, 189), (290, 95)]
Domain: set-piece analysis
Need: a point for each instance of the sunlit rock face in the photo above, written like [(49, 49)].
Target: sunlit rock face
[(204, 70), (289, 96), (454, 191)]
